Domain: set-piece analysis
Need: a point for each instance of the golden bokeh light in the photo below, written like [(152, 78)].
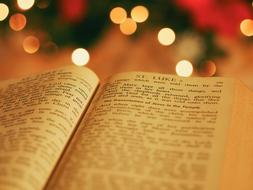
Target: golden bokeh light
[(246, 27), (25, 4), (118, 15), (80, 57), (139, 14), (210, 68), (31, 44), (17, 22), (4, 11), (184, 68), (128, 27), (166, 36)]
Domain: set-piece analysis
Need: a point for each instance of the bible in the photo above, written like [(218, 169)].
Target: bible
[(64, 130)]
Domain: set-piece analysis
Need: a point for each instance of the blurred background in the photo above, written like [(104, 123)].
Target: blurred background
[(183, 37)]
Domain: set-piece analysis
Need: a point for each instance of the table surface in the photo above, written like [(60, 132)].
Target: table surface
[(116, 53)]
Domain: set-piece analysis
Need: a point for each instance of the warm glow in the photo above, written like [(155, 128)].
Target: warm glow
[(128, 27), (25, 4), (210, 68), (31, 44), (118, 15), (4, 11), (50, 47), (139, 13), (166, 36), (80, 57), (43, 4), (246, 27), (184, 68), (17, 22)]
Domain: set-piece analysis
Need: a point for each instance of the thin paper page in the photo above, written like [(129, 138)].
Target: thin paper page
[(37, 117), (238, 161), (151, 131)]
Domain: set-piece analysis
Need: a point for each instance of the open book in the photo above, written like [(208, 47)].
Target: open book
[(65, 130)]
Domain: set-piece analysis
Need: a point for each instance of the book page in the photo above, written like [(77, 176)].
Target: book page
[(238, 162), (38, 114), (151, 132)]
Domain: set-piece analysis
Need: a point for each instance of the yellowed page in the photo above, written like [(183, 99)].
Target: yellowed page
[(38, 114), (238, 161), (150, 131)]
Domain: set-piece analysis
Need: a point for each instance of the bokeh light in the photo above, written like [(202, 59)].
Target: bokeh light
[(246, 27), (166, 36), (128, 27), (25, 4), (118, 15), (139, 14), (17, 22), (50, 47), (184, 68), (210, 68), (43, 4), (31, 44), (80, 57), (4, 11)]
